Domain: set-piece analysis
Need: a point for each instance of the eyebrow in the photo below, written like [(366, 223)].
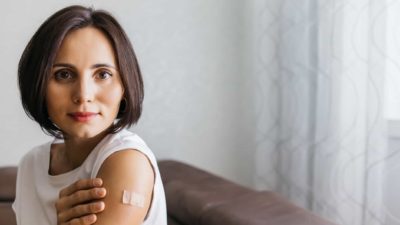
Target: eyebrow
[(98, 65)]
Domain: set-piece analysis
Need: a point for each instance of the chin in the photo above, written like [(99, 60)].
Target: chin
[(85, 134)]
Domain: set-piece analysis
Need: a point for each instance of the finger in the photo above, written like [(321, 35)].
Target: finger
[(80, 197), (85, 220), (81, 211), (81, 184)]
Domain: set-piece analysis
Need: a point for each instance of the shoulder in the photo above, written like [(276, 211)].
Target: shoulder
[(123, 140), (36, 153), (127, 154), (126, 137), (31, 164), (129, 159), (127, 171), (126, 166)]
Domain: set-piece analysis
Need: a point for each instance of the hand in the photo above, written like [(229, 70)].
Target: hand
[(78, 203)]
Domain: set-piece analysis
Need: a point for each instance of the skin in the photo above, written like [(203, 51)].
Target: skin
[(85, 79), (78, 203)]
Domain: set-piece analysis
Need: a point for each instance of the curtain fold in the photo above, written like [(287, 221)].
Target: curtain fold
[(322, 138)]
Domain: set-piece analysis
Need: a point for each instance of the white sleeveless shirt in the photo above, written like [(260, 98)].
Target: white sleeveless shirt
[(37, 191)]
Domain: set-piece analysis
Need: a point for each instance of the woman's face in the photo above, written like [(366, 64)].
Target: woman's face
[(85, 89)]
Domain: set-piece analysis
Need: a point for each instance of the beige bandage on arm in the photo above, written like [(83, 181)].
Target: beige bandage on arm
[(132, 198)]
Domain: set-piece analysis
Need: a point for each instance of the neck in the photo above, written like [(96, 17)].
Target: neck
[(77, 149), (72, 153)]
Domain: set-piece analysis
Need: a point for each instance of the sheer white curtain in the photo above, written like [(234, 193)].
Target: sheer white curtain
[(321, 135)]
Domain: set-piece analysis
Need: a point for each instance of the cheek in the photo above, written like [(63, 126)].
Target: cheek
[(112, 98), (55, 97), (51, 96)]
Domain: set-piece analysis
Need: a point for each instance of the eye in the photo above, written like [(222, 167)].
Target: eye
[(104, 75), (62, 75)]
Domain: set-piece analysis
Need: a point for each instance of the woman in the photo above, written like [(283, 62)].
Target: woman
[(79, 79)]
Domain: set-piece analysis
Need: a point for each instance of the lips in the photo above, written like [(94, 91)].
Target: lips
[(82, 116)]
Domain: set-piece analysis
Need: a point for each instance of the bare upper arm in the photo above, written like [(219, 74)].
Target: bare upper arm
[(128, 170)]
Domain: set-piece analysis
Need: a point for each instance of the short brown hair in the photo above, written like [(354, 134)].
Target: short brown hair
[(38, 57)]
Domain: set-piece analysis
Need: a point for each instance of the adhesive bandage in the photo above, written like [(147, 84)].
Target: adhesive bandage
[(132, 198)]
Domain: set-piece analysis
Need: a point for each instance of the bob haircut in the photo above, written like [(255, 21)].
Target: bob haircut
[(35, 65)]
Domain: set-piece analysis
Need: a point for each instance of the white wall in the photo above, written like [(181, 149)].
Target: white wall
[(194, 62)]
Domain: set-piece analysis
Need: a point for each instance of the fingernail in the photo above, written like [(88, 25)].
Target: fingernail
[(98, 182), (92, 218), (100, 205), (101, 191)]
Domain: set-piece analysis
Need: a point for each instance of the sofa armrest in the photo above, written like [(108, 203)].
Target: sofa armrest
[(8, 176), (197, 197), (7, 194)]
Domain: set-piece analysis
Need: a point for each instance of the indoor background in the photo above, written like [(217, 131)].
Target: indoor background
[(295, 96)]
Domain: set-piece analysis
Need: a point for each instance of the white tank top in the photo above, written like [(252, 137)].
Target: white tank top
[(37, 191)]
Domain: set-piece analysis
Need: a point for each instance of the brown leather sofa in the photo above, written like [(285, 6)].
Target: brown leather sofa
[(7, 194), (196, 197)]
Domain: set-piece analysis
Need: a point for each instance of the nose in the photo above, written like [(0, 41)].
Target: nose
[(83, 91)]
